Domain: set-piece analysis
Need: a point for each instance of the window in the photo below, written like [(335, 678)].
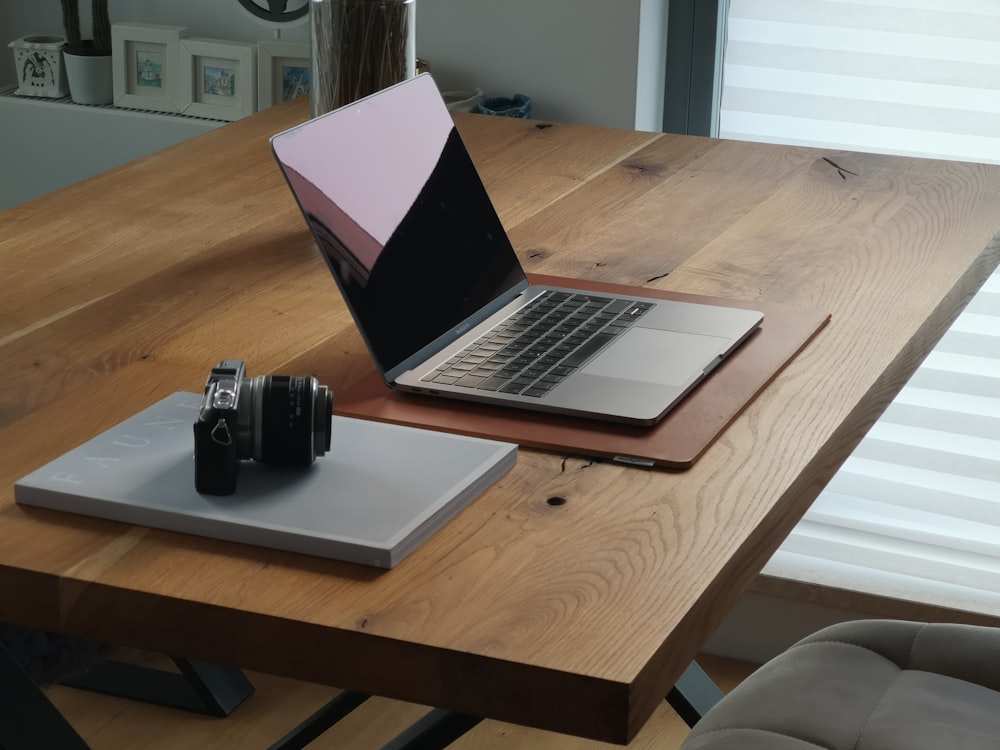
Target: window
[(917, 77)]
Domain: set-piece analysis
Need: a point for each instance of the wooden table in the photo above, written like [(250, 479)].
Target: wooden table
[(574, 617)]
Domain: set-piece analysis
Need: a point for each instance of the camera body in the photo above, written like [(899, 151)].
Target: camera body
[(277, 419), (216, 454)]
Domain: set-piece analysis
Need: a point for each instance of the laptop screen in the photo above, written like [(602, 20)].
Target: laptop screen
[(400, 215)]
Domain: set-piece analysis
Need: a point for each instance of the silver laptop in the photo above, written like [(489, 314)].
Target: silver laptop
[(415, 245)]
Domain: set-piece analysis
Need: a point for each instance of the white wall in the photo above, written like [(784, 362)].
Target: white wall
[(598, 62), (579, 60)]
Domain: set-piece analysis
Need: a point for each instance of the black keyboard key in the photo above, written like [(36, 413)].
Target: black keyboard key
[(538, 347), (619, 305), (470, 381), (493, 383)]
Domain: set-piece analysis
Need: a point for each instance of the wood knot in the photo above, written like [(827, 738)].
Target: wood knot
[(653, 170), (842, 171)]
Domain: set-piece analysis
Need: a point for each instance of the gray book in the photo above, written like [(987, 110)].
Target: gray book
[(372, 499)]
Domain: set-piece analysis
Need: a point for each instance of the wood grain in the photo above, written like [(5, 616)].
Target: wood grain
[(575, 618)]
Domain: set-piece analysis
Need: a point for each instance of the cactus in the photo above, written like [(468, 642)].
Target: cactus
[(71, 22), (101, 24)]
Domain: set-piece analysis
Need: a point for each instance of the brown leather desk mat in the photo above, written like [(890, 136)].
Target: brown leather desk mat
[(676, 442)]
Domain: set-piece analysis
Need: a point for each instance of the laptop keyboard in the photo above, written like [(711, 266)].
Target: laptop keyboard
[(538, 347)]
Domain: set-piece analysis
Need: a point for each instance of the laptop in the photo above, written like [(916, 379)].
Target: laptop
[(436, 289)]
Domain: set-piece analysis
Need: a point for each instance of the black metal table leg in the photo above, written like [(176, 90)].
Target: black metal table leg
[(320, 721), (694, 694), (28, 720), (435, 730), (199, 687)]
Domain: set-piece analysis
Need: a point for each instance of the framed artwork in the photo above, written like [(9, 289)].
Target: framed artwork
[(146, 65), (284, 70), (218, 79)]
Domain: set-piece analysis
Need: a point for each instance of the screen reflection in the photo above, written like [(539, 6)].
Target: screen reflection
[(401, 216)]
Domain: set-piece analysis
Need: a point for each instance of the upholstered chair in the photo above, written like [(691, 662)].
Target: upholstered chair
[(867, 685)]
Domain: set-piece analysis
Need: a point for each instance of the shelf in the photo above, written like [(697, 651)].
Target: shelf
[(32, 101)]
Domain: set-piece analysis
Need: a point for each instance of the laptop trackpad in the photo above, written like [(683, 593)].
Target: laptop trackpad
[(653, 356)]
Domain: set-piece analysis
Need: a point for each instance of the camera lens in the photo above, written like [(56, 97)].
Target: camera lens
[(285, 419)]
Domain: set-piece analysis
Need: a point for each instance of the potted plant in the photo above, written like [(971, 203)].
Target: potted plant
[(88, 61)]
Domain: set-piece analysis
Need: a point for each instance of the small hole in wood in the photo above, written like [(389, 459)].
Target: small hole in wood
[(554, 501)]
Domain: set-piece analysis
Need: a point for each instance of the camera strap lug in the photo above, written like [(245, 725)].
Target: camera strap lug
[(220, 433)]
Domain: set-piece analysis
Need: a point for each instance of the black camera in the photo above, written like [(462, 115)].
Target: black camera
[(275, 419)]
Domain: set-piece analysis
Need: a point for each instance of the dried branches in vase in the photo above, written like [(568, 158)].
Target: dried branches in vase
[(359, 47)]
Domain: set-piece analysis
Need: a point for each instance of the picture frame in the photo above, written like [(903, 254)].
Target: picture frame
[(284, 71), (146, 65), (218, 79)]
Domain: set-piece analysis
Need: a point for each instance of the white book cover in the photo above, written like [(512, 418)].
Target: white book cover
[(378, 493)]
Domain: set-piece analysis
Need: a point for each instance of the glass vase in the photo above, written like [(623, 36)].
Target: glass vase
[(359, 47)]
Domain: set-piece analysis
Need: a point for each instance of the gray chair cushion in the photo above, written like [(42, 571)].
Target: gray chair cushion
[(867, 685)]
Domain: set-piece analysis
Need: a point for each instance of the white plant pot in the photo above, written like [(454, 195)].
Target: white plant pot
[(462, 101), (90, 77), (39, 63)]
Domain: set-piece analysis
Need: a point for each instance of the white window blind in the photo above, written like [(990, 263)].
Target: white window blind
[(914, 77), (914, 513)]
